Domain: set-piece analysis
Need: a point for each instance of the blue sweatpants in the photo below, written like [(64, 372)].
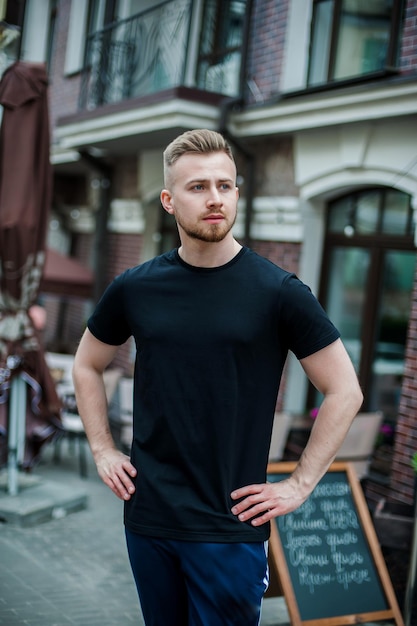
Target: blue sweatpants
[(186, 583)]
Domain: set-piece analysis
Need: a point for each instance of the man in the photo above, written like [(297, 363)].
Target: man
[(213, 323)]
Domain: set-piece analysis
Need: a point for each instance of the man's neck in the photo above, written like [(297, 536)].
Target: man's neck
[(202, 254)]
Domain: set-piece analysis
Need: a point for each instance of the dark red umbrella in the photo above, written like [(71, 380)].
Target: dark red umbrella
[(25, 197)]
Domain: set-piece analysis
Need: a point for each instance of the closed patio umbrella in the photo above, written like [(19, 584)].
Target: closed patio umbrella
[(25, 197)]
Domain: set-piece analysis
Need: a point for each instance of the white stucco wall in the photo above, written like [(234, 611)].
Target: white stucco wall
[(335, 160)]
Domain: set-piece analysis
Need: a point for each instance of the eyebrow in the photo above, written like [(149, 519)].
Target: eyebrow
[(206, 180)]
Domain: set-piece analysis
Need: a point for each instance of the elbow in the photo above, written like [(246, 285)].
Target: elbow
[(357, 397)]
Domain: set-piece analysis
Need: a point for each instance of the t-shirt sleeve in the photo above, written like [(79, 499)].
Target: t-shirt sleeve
[(307, 325), (108, 322)]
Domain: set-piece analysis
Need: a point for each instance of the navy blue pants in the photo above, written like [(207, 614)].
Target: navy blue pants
[(186, 583)]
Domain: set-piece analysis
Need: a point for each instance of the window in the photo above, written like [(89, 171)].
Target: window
[(85, 18), (372, 212), (352, 38), (12, 14), (221, 42), (367, 282)]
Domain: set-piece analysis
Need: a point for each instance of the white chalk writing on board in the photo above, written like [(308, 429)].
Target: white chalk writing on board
[(320, 539)]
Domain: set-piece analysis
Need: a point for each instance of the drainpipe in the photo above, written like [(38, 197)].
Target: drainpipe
[(226, 107), (250, 164), (100, 246)]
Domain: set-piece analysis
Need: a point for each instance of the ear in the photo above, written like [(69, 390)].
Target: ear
[(166, 201)]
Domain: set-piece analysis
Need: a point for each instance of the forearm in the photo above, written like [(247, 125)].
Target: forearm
[(332, 373), (91, 359), (93, 409), (114, 467), (327, 434), (330, 427)]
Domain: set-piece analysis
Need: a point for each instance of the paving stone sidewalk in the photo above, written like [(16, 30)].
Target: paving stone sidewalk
[(74, 569)]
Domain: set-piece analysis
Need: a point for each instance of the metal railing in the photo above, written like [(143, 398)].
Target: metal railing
[(137, 56)]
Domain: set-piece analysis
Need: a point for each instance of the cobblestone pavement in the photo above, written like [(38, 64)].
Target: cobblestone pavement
[(74, 569)]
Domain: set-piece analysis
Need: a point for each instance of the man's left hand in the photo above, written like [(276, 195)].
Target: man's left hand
[(262, 502)]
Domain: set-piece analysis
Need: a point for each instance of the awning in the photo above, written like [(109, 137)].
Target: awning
[(66, 276)]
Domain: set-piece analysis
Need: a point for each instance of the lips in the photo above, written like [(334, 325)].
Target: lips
[(214, 219)]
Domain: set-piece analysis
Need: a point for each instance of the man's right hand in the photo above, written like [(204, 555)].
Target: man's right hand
[(116, 471)]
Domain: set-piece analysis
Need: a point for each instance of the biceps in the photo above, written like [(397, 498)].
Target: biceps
[(330, 369), (93, 354)]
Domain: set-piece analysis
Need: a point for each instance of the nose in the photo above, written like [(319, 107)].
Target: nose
[(214, 198)]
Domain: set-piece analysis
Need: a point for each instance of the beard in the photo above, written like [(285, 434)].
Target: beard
[(209, 233)]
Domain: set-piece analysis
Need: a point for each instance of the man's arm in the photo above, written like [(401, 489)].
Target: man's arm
[(114, 467), (332, 373)]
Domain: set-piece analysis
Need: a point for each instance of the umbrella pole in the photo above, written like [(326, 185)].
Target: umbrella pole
[(16, 431)]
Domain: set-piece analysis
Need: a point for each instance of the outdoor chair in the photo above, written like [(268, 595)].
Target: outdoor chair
[(72, 426), (359, 443)]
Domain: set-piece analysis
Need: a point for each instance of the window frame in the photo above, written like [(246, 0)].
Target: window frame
[(378, 244), (218, 53), (392, 58)]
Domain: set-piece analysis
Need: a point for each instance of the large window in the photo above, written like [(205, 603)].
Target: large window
[(222, 38), (353, 38), (11, 28), (368, 277)]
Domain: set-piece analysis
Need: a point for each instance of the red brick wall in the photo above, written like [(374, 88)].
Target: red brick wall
[(267, 43), (408, 54), (402, 476), (64, 90), (284, 254), (123, 252)]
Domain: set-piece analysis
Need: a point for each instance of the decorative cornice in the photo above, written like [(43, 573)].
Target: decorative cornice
[(274, 219), (327, 109)]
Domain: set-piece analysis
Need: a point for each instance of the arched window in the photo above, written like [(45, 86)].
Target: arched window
[(367, 279)]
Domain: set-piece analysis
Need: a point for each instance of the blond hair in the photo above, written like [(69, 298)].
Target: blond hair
[(200, 141)]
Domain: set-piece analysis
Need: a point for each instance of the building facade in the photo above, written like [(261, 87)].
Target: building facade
[(317, 98)]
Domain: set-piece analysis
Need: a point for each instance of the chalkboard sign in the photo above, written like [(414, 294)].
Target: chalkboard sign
[(327, 557)]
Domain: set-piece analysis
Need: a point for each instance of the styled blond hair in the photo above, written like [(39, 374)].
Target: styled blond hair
[(199, 141)]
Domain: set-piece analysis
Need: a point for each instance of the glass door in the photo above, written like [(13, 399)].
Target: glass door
[(391, 323), (369, 300), (367, 281), (346, 296)]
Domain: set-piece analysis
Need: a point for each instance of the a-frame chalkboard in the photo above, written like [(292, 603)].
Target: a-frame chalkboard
[(326, 555)]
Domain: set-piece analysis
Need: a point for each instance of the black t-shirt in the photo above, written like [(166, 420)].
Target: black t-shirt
[(211, 346)]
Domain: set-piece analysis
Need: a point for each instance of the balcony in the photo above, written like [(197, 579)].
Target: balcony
[(138, 56), (144, 77)]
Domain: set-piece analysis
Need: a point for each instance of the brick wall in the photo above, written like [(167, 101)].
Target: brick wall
[(402, 477), (125, 178), (64, 90), (284, 254), (408, 53), (123, 252), (266, 49)]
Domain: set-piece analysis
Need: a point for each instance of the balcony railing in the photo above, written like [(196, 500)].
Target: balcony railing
[(138, 56)]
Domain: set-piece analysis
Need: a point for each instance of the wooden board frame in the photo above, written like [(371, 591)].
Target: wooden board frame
[(278, 562)]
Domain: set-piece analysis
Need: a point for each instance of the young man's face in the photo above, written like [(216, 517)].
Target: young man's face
[(202, 195)]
